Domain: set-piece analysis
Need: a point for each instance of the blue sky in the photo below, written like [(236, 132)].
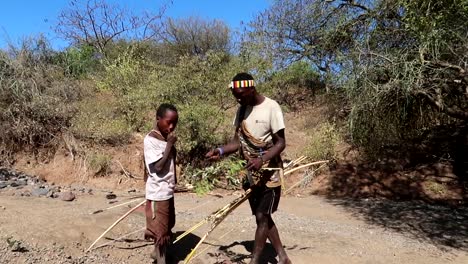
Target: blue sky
[(22, 18)]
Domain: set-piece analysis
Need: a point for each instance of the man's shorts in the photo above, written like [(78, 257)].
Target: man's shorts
[(264, 200)]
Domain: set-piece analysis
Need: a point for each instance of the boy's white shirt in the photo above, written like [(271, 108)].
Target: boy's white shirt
[(159, 187)]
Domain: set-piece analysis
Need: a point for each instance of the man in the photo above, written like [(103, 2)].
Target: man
[(260, 138)]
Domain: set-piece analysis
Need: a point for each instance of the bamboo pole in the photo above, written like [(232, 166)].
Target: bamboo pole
[(304, 166), (119, 238), (222, 213), (115, 223), (240, 199), (207, 247), (218, 219), (299, 182), (112, 207)]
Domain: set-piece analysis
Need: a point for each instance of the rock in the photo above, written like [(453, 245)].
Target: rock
[(111, 196), (3, 185), (131, 191), (31, 182), (40, 191), (26, 193), (67, 196), (55, 188), (51, 194)]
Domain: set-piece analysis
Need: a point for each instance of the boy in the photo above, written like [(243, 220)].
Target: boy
[(160, 154), (260, 138)]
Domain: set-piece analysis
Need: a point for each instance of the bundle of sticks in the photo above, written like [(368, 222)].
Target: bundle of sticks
[(219, 215)]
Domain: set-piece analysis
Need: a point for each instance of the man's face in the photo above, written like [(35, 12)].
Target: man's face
[(168, 122), (244, 96)]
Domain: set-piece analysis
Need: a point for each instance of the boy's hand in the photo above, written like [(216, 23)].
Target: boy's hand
[(254, 164), (171, 138), (213, 154)]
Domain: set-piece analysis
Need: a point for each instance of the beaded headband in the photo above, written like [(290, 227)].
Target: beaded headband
[(241, 84)]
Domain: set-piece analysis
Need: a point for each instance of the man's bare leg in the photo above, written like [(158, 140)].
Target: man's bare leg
[(273, 235), (261, 235)]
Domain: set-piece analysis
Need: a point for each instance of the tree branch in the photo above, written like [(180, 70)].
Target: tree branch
[(439, 105)]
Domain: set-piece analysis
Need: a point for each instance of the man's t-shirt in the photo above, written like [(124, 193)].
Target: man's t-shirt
[(159, 187), (262, 121)]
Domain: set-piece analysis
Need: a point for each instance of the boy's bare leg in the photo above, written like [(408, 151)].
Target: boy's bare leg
[(148, 234), (159, 254)]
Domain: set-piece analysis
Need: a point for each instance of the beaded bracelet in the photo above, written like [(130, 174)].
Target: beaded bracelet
[(221, 151)]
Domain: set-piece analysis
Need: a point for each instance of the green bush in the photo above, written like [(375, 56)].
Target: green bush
[(294, 86), (126, 78), (198, 88), (78, 61), (225, 174), (99, 163), (323, 142), (36, 99), (97, 120)]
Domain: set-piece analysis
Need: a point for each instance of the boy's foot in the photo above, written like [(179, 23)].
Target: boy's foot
[(157, 256), (285, 261), (154, 254)]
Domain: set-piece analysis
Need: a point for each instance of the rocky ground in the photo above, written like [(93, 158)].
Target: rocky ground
[(45, 223)]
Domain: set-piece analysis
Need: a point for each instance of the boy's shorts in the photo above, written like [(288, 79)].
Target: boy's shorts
[(162, 221), (264, 199)]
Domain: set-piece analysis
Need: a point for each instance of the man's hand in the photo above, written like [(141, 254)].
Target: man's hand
[(171, 138), (254, 164), (213, 155)]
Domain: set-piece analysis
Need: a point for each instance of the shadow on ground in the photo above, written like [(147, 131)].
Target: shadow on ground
[(441, 225), (421, 193), (179, 251), (268, 256)]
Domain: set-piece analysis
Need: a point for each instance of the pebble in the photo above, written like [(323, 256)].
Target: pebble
[(40, 191), (111, 196), (67, 196)]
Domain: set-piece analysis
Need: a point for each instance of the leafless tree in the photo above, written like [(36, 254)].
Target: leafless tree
[(97, 23), (195, 36)]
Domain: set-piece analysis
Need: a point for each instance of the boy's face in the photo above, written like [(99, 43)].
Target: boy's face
[(244, 96), (168, 122)]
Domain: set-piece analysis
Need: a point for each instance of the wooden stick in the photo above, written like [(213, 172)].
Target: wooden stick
[(306, 165), (217, 214), (189, 256), (190, 230), (296, 161), (119, 238), (115, 206), (218, 218), (115, 223), (128, 174), (299, 182), (222, 213), (207, 247)]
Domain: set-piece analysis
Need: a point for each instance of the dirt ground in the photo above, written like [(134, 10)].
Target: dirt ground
[(313, 229), (420, 217)]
